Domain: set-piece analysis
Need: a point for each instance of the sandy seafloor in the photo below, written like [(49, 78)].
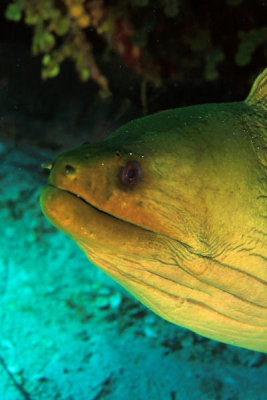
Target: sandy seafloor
[(68, 332)]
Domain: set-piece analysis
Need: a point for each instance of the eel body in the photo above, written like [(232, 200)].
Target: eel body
[(173, 206)]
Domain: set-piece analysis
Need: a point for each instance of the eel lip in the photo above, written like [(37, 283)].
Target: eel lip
[(86, 224), (57, 204), (62, 191), (71, 214)]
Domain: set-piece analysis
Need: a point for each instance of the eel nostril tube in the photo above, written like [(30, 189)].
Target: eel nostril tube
[(47, 165)]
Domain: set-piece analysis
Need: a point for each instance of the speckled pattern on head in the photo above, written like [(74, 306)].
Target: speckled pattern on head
[(173, 206)]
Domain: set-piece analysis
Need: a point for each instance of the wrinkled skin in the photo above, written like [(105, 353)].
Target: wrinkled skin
[(189, 240)]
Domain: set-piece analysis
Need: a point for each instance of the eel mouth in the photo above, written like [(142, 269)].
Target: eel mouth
[(95, 231), (59, 204), (61, 191), (87, 203)]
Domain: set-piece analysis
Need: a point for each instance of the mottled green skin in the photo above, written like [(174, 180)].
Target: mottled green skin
[(190, 239)]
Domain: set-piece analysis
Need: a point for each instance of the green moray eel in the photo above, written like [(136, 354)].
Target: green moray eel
[(173, 206)]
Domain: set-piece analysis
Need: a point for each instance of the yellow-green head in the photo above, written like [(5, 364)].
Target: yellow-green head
[(173, 206)]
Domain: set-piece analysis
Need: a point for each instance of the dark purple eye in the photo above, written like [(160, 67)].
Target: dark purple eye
[(131, 173)]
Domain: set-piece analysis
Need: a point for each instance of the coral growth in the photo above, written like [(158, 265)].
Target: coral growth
[(156, 38)]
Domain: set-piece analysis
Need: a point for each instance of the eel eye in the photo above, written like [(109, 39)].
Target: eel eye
[(131, 173)]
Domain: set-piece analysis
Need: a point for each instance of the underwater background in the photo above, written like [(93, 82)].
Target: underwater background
[(73, 71)]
